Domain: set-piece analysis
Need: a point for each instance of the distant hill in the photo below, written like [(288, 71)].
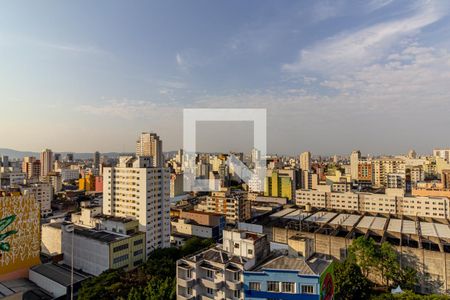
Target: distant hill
[(14, 154), (17, 154)]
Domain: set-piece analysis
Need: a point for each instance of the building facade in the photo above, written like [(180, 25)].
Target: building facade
[(149, 144), (46, 162), (95, 251), (232, 204), (135, 189), (19, 225)]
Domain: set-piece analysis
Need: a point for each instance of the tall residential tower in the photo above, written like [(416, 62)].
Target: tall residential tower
[(135, 189), (149, 144)]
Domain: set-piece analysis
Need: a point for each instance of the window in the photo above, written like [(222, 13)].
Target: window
[(254, 286), (307, 289), (236, 276), (209, 274), (236, 245), (121, 247), (120, 259), (250, 252), (189, 291), (209, 291), (288, 287), (188, 273), (237, 294), (273, 286), (138, 252)]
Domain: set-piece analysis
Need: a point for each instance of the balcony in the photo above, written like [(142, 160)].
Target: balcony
[(234, 285), (186, 282), (211, 283), (185, 297)]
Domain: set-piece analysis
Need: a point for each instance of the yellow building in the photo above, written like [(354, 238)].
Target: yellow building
[(19, 236), (116, 245), (87, 183), (278, 185)]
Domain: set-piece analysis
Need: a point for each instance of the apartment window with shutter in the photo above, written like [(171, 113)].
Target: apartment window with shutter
[(273, 286), (307, 289), (254, 286), (288, 287)]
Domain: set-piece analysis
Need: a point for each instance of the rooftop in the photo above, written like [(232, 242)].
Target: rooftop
[(101, 236), (58, 273), (313, 266)]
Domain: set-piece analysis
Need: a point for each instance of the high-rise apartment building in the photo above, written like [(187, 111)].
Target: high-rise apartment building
[(305, 161), (31, 167), (309, 180), (149, 144), (46, 162), (365, 171), (96, 160), (382, 167), (278, 184), (354, 163), (136, 189)]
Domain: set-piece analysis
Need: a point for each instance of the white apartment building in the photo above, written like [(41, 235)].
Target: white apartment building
[(217, 273), (255, 184), (382, 167), (395, 181), (417, 175), (442, 153), (135, 189), (69, 174), (11, 178), (46, 161), (149, 144), (354, 161), (305, 161), (95, 251), (43, 192), (392, 202)]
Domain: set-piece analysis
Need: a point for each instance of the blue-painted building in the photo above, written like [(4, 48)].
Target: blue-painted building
[(290, 278)]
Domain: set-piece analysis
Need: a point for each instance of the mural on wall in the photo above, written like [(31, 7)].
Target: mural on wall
[(327, 283), (4, 223), (19, 235)]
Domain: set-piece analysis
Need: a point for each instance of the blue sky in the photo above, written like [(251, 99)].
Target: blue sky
[(333, 75)]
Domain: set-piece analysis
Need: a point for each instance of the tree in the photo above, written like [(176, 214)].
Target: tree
[(387, 263), (364, 252), (350, 283), (153, 280), (160, 289), (408, 295), (101, 287)]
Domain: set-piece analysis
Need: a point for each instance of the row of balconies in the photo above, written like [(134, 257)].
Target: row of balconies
[(215, 284)]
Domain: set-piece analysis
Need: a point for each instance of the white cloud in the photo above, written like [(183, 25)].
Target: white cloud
[(182, 62), (350, 51), (179, 59)]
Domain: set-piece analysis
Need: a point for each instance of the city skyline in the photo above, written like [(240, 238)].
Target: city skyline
[(333, 76)]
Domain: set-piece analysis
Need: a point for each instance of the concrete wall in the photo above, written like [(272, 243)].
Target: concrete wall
[(51, 240), (433, 266)]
